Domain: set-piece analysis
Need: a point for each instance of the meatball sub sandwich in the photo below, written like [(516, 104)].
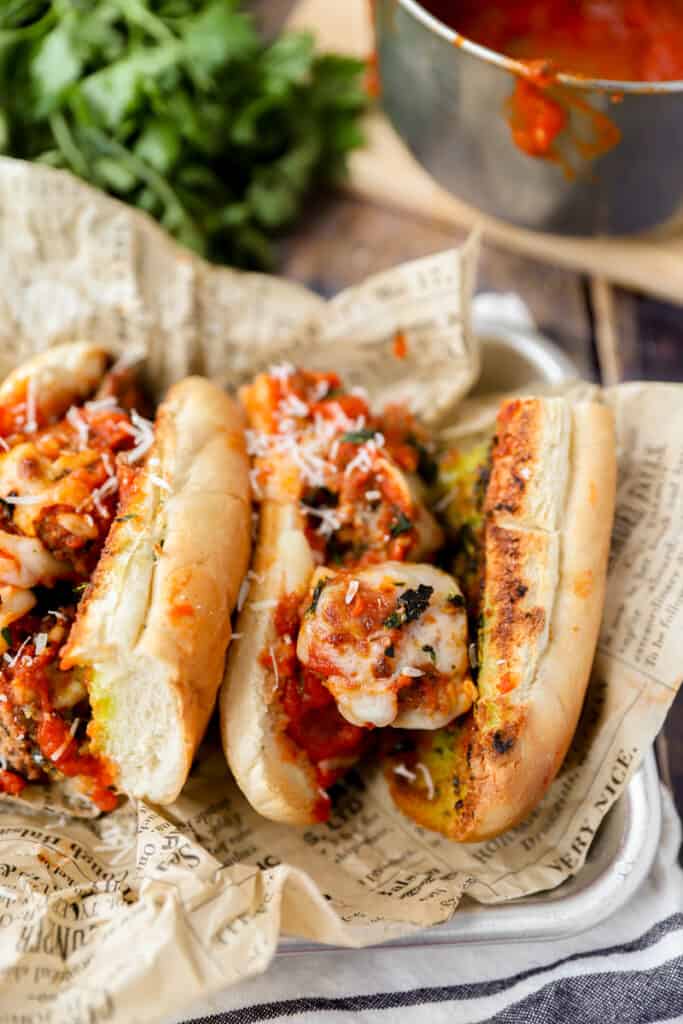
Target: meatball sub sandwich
[(531, 516), (122, 547), (466, 646)]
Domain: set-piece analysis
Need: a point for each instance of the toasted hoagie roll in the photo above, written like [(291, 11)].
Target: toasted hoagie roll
[(122, 547), (344, 629), (533, 516)]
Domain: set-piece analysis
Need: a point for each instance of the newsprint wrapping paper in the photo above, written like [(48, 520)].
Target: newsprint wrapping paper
[(128, 917)]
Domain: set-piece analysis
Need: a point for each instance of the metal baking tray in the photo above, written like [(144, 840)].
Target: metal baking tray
[(618, 861), (624, 848)]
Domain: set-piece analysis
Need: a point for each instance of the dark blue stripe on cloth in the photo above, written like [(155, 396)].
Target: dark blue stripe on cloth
[(619, 997), (666, 974)]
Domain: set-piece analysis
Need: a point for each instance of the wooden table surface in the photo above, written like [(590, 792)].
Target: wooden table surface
[(611, 334)]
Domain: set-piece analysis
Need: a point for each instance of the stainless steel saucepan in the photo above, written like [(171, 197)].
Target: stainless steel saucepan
[(447, 98)]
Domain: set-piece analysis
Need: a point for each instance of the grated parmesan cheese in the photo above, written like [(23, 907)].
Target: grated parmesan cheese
[(11, 661), (3, 444), (143, 434), (108, 464), (281, 371), (472, 651), (243, 594), (76, 420), (274, 661), (40, 642), (411, 672), (31, 424), (405, 773), (108, 487), (258, 443), (329, 520), (294, 406), (55, 756), (160, 482), (260, 606), (428, 781), (443, 503), (351, 591)]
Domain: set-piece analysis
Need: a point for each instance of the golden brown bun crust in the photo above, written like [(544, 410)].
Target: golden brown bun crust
[(276, 778), (550, 507), (154, 627)]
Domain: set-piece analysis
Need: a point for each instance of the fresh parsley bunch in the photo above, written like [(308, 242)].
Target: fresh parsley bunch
[(179, 108)]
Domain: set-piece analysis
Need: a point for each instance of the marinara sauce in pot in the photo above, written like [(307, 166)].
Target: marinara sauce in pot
[(620, 40)]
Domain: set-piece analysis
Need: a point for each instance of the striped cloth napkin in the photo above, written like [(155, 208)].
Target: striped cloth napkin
[(629, 970)]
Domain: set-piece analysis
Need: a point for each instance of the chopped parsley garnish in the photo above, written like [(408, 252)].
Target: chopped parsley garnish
[(400, 525), (317, 591), (428, 649), (415, 602), (183, 109), (6, 635), (322, 496), (427, 466), (124, 519), (457, 600), (358, 436), (410, 606)]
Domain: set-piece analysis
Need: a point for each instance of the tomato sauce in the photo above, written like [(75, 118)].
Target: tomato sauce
[(314, 723), (614, 40), (53, 736), (619, 40), (366, 511), (11, 783), (62, 749)]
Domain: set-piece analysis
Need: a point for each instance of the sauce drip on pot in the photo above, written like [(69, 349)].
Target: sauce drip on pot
[(620, 40)]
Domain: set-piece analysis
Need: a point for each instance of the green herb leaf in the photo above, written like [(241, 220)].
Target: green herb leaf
[(457, 600), (415, 602), (427, 466), (358, 436), (181, 109), (400, 525), (317, 591), (55, 65), (6, 635), (428, 649)]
